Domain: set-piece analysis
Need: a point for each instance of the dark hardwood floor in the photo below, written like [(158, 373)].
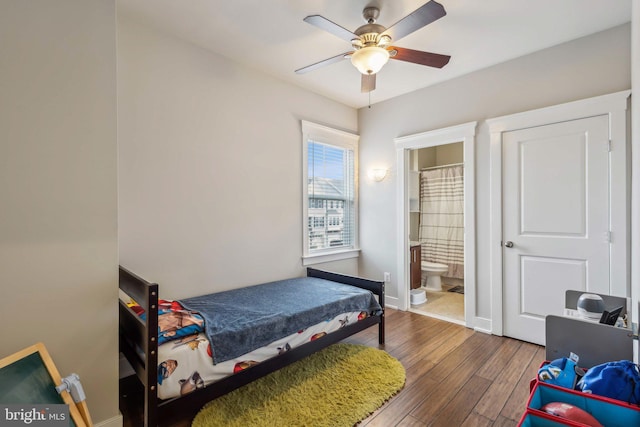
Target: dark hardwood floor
[(455, 376)]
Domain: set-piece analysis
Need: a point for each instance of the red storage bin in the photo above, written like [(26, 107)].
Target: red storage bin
[(541, 419), (609, 412)]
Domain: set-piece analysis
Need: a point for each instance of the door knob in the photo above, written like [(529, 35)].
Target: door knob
[(508, 244)]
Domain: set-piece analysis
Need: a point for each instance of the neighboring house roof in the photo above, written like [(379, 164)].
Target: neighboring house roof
[(326, 188)]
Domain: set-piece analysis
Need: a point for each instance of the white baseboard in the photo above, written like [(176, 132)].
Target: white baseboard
[(391, 302), (480, 324), (111, 422)]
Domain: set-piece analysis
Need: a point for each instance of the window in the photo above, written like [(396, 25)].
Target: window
[(330, 207)]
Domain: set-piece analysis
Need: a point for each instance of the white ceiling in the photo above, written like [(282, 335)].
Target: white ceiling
[(271, 36)]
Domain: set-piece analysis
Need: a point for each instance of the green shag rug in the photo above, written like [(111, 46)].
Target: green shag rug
[(338, 386)]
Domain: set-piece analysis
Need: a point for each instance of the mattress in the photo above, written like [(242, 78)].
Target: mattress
[(241, 320), (185, 364)]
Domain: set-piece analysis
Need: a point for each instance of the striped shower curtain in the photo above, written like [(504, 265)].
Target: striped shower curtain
[(442, 218)]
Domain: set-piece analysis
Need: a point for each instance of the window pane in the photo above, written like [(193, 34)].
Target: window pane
[(331, 196)]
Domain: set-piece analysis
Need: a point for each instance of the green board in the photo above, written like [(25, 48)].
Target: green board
[(29, 376), (28, 381)]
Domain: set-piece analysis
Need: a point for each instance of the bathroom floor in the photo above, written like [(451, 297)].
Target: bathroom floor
[(443, 305)]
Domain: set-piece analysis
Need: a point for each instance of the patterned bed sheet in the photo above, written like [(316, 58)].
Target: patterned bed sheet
[(185, 364)]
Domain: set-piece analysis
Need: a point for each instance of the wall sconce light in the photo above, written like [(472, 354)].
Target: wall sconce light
[(377, 174)]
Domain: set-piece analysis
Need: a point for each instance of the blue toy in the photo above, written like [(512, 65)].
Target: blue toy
[(561, 372), (617, 380)]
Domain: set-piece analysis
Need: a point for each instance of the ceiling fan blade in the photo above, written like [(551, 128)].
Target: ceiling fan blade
[(323, 63), (368, 83), (419, 57), (331, 27), (424, 15)]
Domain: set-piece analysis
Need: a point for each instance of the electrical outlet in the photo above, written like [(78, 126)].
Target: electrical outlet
[(387, 276)]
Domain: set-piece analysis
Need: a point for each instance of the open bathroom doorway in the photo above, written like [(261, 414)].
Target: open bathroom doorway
[(436, 231), (436, 260)]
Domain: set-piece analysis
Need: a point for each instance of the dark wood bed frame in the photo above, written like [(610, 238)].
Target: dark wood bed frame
[(137, 335)]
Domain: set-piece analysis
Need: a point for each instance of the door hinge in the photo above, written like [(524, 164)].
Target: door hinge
[(608, 237), (609, 146)]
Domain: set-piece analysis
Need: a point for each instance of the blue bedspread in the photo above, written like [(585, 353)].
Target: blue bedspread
[(241, 320)]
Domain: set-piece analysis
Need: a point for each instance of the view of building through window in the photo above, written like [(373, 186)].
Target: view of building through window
[(331, 196)]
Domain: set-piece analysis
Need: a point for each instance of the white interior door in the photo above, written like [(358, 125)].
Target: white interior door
[(555, 220)]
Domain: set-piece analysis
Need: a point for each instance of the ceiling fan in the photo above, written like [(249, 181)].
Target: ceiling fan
[(371, 42)]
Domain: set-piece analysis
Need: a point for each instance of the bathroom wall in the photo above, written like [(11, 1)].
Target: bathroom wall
[(448, 154)]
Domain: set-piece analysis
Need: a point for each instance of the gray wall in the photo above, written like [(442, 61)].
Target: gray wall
[(590, 66), (210, 166), (58, 238)]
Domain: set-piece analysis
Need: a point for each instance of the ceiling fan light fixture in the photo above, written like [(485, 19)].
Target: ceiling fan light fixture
[(370, 59), (357, 43), (384, 41)]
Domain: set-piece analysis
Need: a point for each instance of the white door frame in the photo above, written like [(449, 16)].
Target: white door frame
[(465, 133), (615, 106)]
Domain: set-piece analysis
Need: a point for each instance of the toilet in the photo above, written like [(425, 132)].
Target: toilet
[(433, 271)]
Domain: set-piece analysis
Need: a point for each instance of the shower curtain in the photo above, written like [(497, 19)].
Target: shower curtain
[(442, 218)]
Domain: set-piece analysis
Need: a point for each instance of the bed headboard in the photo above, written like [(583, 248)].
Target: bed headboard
[(138, 335), (377, 287), (371, 285)]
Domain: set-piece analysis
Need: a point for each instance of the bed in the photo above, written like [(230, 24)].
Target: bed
[(139, 342)]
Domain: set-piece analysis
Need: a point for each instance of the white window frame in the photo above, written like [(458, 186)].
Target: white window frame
[(323, 134)]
